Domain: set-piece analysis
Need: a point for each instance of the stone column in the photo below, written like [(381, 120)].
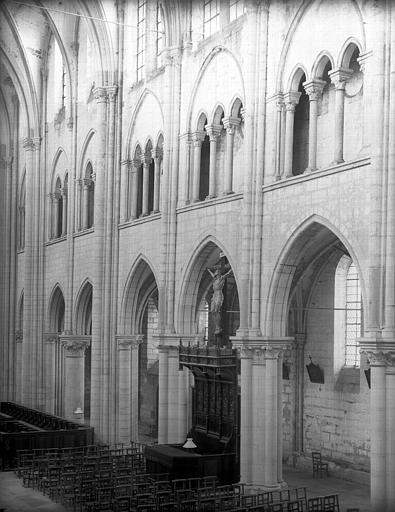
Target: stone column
[(291, 99), (87, 184), (18, 365), (183, 391), (314, 89), (197, 139), (146, 163), (56, 215), (381, 355), (300, 341), (245, 415), (128, 387), (185, 150), (155, 154), (135, 188), (279, 117), (78, 183), (64, 211), (230, 124), (51, 202), (173, 419), (125, 190), (163, 394), (134, 426), (213, 132), (390, 449), (258, 407), (50, 340), (339, 77), (75, 347)]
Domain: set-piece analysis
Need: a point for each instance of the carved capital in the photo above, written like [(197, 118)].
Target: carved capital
[(112, 91), (50, 337), (146, 160), (378, 352), (291, 99), (100, 94), (135, 164), (213, 131), (28, 144), (230, 123), (18, 336), (186, 137), (314, 88), (126, 162), (198, 138), (87, 182), (75, 346), (340, 76), (129, 341)]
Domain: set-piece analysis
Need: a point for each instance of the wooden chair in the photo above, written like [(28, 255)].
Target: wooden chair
[(330, 503), (319, 467)]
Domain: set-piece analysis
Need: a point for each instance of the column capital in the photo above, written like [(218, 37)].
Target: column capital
[(50, 337), (126, 162), (230, 123), (112, 92), (291, 99), (198, 137), (129, 341), (146, 160), (213, 131), (28, 144), (340, 76), (168, 340), (87, 182), (269, 348), (18, 336), (136, 164), (278, 99), (100, 94), (74, 345), (314, 88), (379, 353)]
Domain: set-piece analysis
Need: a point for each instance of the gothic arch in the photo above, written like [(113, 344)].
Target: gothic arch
[(83, 309), (140, 284), (214, 52), (293, 26), (144, 94), (295, 77), (320, 63), (307, 243), (205, 254), (56, 309), (84, 150), (55, 171), (347, 51)]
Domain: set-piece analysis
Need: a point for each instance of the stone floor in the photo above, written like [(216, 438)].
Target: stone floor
[(15, 498)]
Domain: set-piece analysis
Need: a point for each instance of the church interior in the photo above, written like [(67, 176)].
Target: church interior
[(197, 285)]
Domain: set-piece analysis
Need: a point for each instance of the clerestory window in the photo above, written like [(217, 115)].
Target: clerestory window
[(210, 17)]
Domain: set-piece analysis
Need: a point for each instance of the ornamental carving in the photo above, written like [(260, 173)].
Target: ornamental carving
[(75, 346), (127, 342), (19, 336), (51, 337)]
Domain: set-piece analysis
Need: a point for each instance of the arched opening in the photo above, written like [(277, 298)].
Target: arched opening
[(150, 180), (88, 198), (307, 302), (325, 115), (204, 168), (21, 215), (58, 209), (353, 104), (56, 325), (141, 318), (300, 157), (84, 327)]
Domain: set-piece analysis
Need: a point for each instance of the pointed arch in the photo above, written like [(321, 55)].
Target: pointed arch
[(303, 246), (214, 52), (140, 284), (84, 150), (218, 113), (140, 101), (295, 77), (320, 64), (83, 309), (195, 281), (56, 310)]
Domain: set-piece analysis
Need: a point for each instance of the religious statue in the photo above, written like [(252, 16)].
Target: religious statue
[(218, 297)]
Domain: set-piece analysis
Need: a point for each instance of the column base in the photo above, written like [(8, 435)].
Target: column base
[(337, 162), (309, 170), (227, 192), (210, 197), (260, 487)]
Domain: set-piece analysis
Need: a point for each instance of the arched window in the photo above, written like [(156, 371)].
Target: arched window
[(348, 315), (57, 212), (88, 197), (300, 157), (160, 38), (236, 9), (353, 105), (21, 216)]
